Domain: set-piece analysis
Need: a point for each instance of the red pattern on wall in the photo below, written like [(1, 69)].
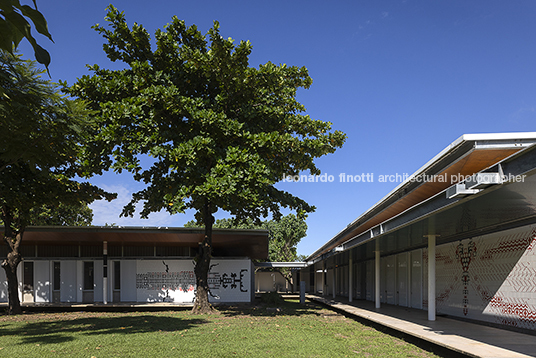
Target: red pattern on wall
[(508, 257), (496, 284), (509, 246), (514, 307), (444, 296)]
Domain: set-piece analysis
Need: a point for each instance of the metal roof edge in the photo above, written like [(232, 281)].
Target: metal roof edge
[(465, 138), (142, 229), (441, 196), (274, 264), (458, 142)]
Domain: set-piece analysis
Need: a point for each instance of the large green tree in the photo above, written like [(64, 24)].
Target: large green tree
[(14, 26), (284, 236), (43, 137), (218, 132)]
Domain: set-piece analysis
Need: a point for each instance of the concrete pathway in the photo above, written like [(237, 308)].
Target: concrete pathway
[(471, 339)]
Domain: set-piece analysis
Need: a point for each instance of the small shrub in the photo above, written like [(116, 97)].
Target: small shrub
[(271, 298)]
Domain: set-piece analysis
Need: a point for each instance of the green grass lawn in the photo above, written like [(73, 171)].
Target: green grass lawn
[(294, 330)]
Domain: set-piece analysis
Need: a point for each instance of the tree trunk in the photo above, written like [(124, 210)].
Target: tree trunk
[(10, 265), (202, 266), (12, 238), (288, 277)]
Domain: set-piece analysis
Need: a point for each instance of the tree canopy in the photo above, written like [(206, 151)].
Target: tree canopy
[(14, 26), (42, 141), (218, 132), (79, 214)]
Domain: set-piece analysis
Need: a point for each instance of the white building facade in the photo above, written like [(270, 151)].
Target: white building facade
[(88, 265), (469, 244)]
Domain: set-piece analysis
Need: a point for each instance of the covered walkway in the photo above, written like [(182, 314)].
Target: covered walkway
[(474, 340), (456, 239)]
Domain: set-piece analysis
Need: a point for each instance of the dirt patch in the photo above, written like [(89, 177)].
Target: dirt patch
[(56, 316), (331, 316)]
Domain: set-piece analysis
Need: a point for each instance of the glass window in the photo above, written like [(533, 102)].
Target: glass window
[(28, 279), (88, 275), (117, 275), (57, 278)]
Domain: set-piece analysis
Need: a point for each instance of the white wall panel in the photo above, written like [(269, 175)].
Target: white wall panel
[(390, 279), (42, 281), (416, 285), (79, 281), (402, 279), (128, 281), (97, 281), (68, 285), (370, 280)]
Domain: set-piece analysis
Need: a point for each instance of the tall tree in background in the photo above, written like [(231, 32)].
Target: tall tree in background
[(79, 214), (285, 235), (42, 146), (219, 133)]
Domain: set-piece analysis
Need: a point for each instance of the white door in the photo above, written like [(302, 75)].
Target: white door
[(416, 279), (402, 279), (390, 282)]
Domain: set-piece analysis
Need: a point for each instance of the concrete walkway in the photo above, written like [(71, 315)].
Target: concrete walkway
[(471, 339)]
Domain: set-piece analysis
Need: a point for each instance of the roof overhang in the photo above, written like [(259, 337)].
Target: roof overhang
[(281, 264), (466, 156), (230, 242)]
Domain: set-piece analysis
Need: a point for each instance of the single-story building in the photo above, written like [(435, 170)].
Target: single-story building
[(269, 278), (457, 238), (132, 264)]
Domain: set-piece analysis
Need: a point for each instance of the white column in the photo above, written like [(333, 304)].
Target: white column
[(105, 272), (350, 281), (377, 274), (431, 277)]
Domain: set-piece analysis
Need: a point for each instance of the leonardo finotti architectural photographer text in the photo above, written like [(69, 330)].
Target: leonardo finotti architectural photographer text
[(387, 178)]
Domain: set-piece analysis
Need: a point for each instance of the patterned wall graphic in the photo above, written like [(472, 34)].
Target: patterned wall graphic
[(464, 257), (174, 281), (490, 278), (166, 281), (225, 280)]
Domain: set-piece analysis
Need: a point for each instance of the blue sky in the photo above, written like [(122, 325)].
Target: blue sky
[(403, 79)]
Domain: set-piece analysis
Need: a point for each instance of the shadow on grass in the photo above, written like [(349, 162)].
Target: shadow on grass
[(67, 325), (65, 329), (263, 309)]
